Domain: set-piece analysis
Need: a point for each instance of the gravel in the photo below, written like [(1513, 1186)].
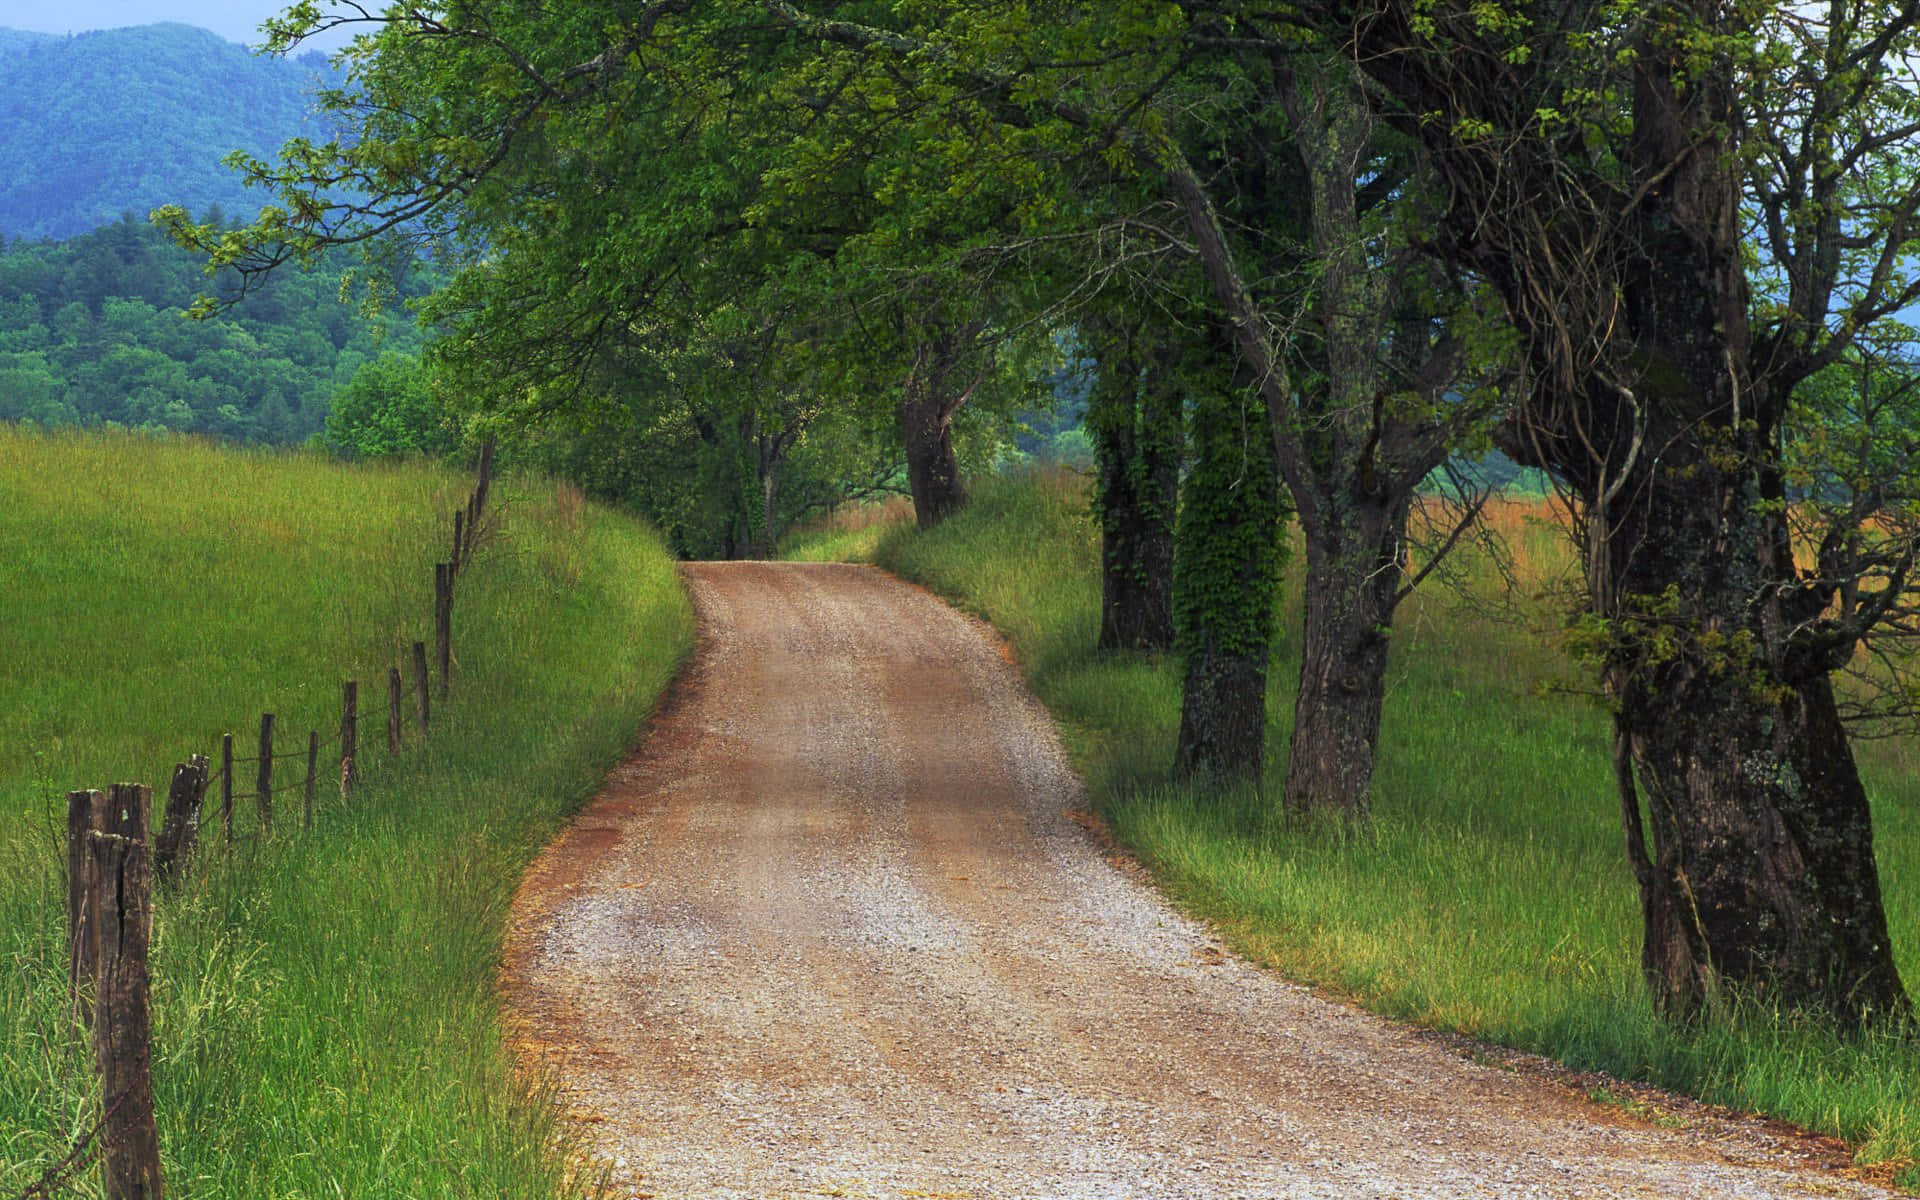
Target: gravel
[(831, 930)]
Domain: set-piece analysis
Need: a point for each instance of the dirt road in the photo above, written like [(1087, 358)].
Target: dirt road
[(831, 932)]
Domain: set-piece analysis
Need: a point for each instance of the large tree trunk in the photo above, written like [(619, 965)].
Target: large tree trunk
[(1226, 579), (933, 475), (929, 398), (1630, 295), (1354, 572), (1761, 879), (1133, 417)]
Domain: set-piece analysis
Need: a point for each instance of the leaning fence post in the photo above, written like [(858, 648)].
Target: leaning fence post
[(313, 768), (459, 534), (393, 710), (477, 503), (180, 827), (86, 810), (226, 787), (349, 735), (263, 787), (443, 619), (121, 872)]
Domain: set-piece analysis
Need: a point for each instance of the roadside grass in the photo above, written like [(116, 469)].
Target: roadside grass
[(1489, 895), (326, 1023)]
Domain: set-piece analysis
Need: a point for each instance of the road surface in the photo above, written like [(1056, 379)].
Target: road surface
[(833, 931)]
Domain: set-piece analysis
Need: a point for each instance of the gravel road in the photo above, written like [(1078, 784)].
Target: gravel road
[(832, 931)]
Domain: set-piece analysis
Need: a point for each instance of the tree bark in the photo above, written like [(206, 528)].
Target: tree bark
[(929, 398), (1754, 857), (1354, 573), (1133, 416)]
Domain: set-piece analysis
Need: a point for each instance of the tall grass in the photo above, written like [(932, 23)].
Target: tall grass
[(1490, 894), (325, 1021)]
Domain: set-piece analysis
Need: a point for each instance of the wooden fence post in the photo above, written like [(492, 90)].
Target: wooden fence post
[(86, 811), (443, 620), (349, 735), (420, 682), (313, 769), (180, 827), (459, 535), (477, 503), (226, 787), (263, 776), (393, 710), (122, 904)]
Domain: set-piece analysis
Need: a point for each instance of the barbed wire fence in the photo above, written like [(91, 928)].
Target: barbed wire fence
[(115, 852)]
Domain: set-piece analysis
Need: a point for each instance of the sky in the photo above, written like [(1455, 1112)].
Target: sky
[(235, 20)]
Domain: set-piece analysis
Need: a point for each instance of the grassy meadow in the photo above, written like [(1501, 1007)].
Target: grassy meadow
[(325, 1016), (1490, 894)]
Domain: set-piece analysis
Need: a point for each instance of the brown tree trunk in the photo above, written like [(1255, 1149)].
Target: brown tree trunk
[(1354, 572), (933, 475), (1754, 854), (929, 397), (1761, 876)]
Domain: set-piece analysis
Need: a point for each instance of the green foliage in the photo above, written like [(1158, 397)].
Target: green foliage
[(1231, 535), (123, 120), (91, 332), (1488, 782), (391, 407), (326, 1017)]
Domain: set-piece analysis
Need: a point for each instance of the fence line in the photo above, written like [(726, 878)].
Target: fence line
[(115, 852)]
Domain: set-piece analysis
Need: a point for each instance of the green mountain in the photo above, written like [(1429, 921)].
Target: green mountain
[(99, 124), (91, 333)]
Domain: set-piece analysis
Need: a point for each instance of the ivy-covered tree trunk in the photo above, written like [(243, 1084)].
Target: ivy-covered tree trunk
[(1134, 419), (1354, 573), (1355, 404), (1226, 581)]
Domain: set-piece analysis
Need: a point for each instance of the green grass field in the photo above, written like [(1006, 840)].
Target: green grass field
[(325, 1022), (1490, 895)]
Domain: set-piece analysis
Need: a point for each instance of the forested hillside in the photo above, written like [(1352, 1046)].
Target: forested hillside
[(123, 120), (91, 331)]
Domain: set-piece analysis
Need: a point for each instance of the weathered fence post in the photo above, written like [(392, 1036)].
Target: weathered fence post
[(443, 619), (226, 787), (121, 900), (420, 682), (393, 710), (86, 811), (313, 769), (180, 825), (263, 777), (459, 535), (349, 735), (477, 503)]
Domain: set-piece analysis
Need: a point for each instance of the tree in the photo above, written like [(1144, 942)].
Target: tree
[(1302, 221), (602, 168), (390, 408), (1134, 417), (1613, 172), (626, 147)]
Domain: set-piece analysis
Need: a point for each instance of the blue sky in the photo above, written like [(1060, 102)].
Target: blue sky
[(235, 20)]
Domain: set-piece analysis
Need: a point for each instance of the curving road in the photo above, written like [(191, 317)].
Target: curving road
[(833, 932)]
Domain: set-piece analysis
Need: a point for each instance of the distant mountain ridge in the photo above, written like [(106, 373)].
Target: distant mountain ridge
[(94, 125)]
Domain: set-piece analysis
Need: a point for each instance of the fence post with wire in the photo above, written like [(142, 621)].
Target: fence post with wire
[(115, 851)]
